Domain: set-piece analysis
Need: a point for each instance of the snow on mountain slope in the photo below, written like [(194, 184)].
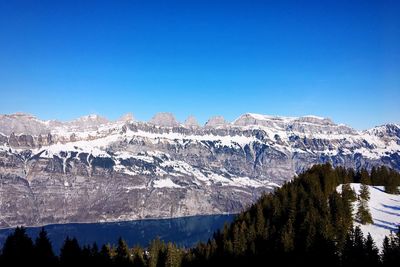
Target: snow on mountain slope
[(385, 211)]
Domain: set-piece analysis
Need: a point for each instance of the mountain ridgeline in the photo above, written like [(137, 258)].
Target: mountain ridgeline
[(95, 170), (307, 221)]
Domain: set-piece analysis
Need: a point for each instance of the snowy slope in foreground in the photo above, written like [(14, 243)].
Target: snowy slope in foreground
[(385, 211)]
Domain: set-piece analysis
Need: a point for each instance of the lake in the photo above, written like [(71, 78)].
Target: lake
[(185, 231)]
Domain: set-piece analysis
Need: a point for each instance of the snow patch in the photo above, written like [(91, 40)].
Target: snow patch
[(165, 183), (385, 211)]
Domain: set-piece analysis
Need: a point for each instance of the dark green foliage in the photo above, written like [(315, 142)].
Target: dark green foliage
[(70, 253), (305, 222), (348, 193), (391, 250), (123, 255), (363, 177), (138, 257), (371, 252), (105, 255), (363, 215), (155, 252), (43, 251), (18, 249), (389, 178), (173, 256)]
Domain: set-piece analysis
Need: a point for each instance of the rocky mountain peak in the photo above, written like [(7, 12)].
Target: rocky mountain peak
[(216, 121), (191, 122), (164, 119)]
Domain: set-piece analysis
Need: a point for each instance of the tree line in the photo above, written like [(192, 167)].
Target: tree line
[(306, 221)]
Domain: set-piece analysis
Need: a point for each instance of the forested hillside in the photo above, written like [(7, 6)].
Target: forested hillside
[(306, 221)]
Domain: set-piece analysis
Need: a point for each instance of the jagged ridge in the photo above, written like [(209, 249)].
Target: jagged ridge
[(93, 169)]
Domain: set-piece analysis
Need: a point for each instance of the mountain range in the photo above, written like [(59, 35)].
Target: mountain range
[(94, 170)]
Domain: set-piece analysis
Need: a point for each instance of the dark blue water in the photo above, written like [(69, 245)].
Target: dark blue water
[(185, 231)]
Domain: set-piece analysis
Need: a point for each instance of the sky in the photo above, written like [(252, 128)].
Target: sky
[(336, 59)]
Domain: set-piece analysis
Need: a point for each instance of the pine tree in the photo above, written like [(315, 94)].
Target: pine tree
[(348, 258), (70, 253), (154, 252), (95, 258), (18, 249), (363, 214), (391, 249), (287, 237), (173, 258), (391, 185), (123, 255), (364, 192), (348, 193), (371, 252), (260, 221), (364, 177), (374, 177), (105, 255), (43, 251), (138, 257)]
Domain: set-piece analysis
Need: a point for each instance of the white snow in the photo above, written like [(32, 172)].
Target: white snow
[(174, 136), (130, 188), (271, 117), (385, 211), (165, 183)]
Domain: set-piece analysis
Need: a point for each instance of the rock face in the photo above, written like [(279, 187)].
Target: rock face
[(93, 170)]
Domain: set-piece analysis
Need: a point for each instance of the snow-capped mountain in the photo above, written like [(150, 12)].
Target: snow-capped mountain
[(92, 169)]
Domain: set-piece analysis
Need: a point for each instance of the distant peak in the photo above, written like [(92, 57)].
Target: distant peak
[(248, 119), (191, 122), (165, 119), (89, 117), (216, 121), (20, 115), (89, 120), (127, 117)]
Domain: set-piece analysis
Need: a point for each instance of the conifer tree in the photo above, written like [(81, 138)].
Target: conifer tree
[(371, 252), (173, 256), (154, 252), (365, 177), (348, 193), (260, 220), (138, 257), (43, 251), (123, 256), (105, 255), (391, 250), (363, 214), (70, 253), (18, 249), (364, 192)]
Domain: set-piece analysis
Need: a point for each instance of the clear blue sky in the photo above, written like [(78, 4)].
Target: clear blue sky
[(339, 59)]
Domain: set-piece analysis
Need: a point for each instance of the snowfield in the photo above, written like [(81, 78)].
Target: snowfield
[(385, 211)]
